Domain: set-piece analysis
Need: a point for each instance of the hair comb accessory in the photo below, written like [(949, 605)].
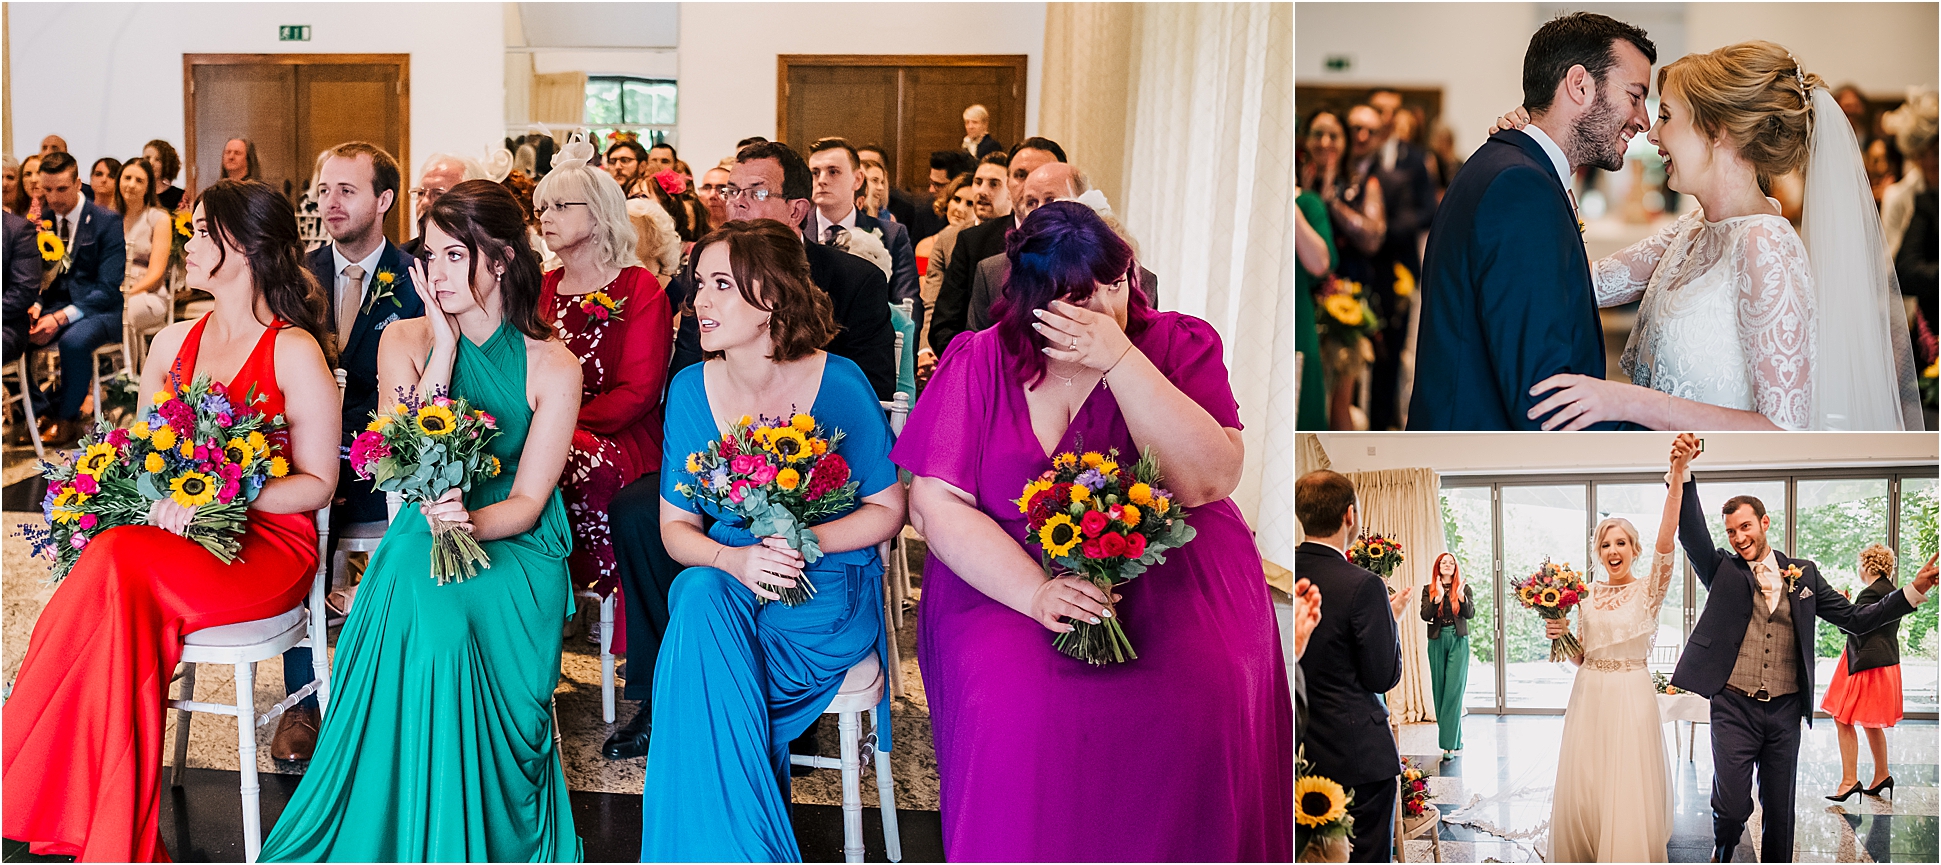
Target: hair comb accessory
[(1799, 75)]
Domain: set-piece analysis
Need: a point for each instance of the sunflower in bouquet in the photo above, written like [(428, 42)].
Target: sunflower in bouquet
[(1376, 553), (423, 449), (1107, 525), (1321, 808), (1346, 317), (782, 476), (195, 445), (1551, 592)]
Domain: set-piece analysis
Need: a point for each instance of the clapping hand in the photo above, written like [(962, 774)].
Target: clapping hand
[(1307, 614)]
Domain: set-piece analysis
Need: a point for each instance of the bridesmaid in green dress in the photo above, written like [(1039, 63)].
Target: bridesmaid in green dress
[(437, 743)]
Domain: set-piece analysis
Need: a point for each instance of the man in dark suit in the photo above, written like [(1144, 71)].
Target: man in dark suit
[(23, 284), (1055, 181), (951, 315), (367, 279), (81, 309), (911, 211), (1409, 203), (1353, 657), (1506, 286), (836, 172), (1752, 654)]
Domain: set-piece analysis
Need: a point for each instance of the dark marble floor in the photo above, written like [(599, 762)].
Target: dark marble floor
[(1500, 750), (201, 823)]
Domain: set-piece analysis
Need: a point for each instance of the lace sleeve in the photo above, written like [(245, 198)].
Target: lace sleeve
[(1775, 309), (1621, 277), (1662, 566)]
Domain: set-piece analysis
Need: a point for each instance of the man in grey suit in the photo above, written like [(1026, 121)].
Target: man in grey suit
[(1055, 181)]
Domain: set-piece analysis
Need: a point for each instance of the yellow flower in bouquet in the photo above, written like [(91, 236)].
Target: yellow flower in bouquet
[(238, 451), (436, 420), (1059, 534), (1140, 494), (788, 443), (193, 489), (1345, 309), (96, 460), (1322, 801), (163, 439)]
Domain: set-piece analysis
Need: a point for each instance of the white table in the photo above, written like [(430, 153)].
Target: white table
[(1673, 708)]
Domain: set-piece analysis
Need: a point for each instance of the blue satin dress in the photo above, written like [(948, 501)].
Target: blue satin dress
[(737, 679)]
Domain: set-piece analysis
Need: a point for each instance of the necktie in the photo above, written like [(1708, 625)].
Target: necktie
[(348, 299), (838, 237), (62, 228), (1760, 570)]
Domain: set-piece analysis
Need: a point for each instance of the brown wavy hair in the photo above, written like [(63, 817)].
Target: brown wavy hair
[(1755, 96), (259, 221), (486, 217), (766, 256)]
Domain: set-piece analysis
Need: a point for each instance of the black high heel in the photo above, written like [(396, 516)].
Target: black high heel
[(1887, 785), (1856, 789)]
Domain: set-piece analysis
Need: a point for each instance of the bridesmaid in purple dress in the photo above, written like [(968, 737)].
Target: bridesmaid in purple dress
[(1185, 754)]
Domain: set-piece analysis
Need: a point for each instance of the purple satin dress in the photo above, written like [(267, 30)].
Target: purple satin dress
[(1185, 754)]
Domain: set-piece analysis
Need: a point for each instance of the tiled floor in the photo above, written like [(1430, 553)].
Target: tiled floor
[(1501, 750)]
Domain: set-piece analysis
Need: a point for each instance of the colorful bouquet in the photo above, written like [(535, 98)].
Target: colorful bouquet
[(1377, 554), (1107, 526), (1551, 592), (781, 475), (179, 240), (1663, 683), (422, 450), (600, 309), (193, 446), (1415, 789), (1321, 817), (1348, 319)]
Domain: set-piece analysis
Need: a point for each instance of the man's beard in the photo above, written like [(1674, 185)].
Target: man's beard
[(1594, 137)]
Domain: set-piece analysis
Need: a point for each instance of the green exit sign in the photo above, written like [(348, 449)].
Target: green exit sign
[(1339, 63), (293, 33)]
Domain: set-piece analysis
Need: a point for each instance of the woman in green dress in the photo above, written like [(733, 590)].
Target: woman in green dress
[(1314, 246), (437, 742)]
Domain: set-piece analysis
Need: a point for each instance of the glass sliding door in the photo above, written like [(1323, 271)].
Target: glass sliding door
[(1468, 529), (1538, 523), (1644, 505), (1916, 536), (1836, 520)]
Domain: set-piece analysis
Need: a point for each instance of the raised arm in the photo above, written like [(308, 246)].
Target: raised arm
[(1693, 534)]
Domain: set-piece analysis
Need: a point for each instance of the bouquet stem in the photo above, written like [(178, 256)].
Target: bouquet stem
[(1100, 644), (455, 554), (1566, 647), (796, 596)]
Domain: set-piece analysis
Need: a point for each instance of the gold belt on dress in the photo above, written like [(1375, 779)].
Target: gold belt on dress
[(1615, 666)]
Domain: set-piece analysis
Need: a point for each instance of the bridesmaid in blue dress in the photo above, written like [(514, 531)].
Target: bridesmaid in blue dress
[(737, 679)]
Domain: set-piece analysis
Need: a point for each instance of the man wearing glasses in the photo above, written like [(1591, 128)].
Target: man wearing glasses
[(442, 171)]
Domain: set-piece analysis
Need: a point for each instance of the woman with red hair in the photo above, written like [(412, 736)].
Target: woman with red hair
[(1448, 606)]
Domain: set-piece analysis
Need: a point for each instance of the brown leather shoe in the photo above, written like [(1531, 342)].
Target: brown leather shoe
[(61, 434), (296, 735)]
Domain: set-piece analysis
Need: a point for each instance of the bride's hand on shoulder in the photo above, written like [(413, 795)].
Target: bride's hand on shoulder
[(1581, 400), (1516, 119)]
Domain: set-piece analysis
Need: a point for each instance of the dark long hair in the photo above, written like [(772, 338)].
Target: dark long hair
[(148, 200), (772, 272), (260, 221), (1061, 252), (487, 218)]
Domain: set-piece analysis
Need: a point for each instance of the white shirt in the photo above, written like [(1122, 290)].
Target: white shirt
[(822, 224), (1550, 148), (370, 271), (73, 217), (1772, 585)]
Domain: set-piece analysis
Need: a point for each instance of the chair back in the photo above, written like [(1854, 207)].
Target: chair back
[(906, 339)]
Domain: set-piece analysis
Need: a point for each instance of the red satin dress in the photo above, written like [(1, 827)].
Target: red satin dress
[(83, 727)]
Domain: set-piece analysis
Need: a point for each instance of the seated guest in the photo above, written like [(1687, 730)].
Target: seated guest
[(148, 233), (671, 190), (439, 742), (658, 243), (838, 177), (1354, 656), (1054, 181), (737, 679), (441, 172), (83, 727), (990, 200), (660, 157), (366, 280), (239, 160), (30, 187), (167, 164), (709, 191), (101, 182), (622, 352), (53, 144), (13, 194), (81, 309), (977, 138), (956, 202), (947, 165), (911, 211), (770, 181), (986, 239), (624, 159), (23, 284), (1016, 721)]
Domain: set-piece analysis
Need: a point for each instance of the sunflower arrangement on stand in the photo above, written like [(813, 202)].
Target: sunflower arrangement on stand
[(194, 446), (423, 450)]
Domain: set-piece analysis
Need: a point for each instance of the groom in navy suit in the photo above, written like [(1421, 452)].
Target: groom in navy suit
[(1752, 655), (1506, 285)]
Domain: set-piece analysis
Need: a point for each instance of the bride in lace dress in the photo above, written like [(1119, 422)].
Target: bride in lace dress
[(1613, 795), (1744, 323)]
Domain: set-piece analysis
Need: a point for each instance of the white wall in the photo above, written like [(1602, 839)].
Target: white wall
[(124, 87), (1474, 51), (728, 53), (1539, 453)]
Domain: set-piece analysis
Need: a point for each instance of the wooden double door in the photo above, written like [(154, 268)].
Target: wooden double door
[(292, 107), (911, 104)]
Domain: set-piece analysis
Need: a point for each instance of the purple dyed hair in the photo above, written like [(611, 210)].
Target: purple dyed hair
[(1063, 251)]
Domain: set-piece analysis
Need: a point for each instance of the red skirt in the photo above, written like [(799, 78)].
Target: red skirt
[(1869, 698)]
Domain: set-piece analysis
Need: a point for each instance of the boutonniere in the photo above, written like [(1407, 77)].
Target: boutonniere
[(384, 286), (1793, 573), (600, 308), (1580, 226)]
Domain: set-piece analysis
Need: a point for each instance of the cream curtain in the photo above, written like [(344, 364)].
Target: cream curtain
[(559, 98), (1405, 504), (1206, 152)]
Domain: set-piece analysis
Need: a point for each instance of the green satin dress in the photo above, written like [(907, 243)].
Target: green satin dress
[(437, 743)]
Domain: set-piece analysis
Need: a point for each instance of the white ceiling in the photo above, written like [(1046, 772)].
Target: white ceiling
[(600, 25)]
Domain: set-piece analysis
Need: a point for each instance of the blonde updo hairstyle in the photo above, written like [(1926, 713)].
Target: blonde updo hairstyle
[(1754, 96), (1621, 524), (1877, 561)]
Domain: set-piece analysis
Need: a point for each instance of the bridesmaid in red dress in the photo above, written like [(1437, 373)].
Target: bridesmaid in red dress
[(83, 728), (614, 316)]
